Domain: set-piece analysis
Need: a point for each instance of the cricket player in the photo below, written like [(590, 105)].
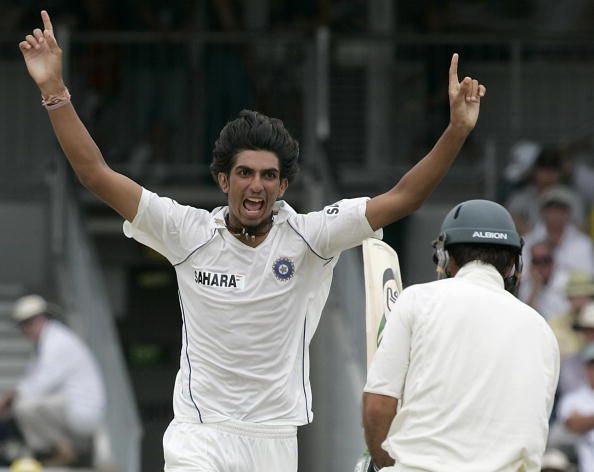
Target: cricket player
[(253, 276), (465, 376)]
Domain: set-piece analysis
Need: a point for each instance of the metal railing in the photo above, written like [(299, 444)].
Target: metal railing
[(334, 441), (85, 299), (155, 102)]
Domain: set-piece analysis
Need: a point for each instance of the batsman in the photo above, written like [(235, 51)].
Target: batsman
[(465, 376)]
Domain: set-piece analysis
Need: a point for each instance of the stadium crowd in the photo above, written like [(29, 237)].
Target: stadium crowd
[(550, 200)]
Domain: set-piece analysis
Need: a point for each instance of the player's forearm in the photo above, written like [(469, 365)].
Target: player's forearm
[(378, 413), (79, 147), (420, 181), (580, 424)]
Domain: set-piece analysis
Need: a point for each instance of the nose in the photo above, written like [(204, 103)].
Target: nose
[(256, 184)]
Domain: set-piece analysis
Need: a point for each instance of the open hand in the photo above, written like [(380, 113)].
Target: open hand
[(43, 57), (465, 98)]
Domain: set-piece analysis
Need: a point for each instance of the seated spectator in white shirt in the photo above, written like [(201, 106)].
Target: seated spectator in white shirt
[(59, 403), (544, 283), (572, 369), (579, 292), (572, 250), (576, 410), (544, 174)]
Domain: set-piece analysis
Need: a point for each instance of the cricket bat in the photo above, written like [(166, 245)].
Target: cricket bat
[(383, 285)]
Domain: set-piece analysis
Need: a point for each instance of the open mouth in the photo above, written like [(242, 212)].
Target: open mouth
[(253, 205)]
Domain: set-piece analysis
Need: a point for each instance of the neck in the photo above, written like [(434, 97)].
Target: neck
[(249, 233)]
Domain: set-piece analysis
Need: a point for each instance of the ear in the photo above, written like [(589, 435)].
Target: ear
[(452, 267), (283, 186), (223, 182)]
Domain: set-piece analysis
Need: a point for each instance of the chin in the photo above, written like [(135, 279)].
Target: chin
[(255, 220)]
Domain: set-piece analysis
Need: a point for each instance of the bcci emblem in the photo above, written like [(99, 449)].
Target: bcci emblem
[(283, 269)]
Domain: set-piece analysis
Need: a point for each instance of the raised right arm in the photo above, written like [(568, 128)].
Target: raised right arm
[(43, 58)]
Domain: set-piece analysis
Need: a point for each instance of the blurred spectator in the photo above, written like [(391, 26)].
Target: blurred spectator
[(555, 460), (571, 249), (541, 168), (579, 292), (576, 410), (572, 371), (543, 287), (59, 403)]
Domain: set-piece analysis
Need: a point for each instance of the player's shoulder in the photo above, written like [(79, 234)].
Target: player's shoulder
[(425, 290), (173, 207), (433, 285), (335, 208), (528, 312), (531, 321)]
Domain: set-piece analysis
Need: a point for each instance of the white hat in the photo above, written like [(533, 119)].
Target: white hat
[(558, 195), (586, 317), (29, 306)]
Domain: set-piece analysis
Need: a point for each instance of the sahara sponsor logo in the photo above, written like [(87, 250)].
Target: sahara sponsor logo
[(218, 279)]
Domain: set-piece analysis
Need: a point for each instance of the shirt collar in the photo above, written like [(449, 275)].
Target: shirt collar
[(281, 210), (484, 274)]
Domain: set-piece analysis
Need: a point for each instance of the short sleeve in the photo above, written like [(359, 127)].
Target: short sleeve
[(337, 227), (389, 367), (169, 228)]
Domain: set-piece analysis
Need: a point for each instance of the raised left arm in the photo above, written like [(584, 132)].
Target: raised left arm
[(378, 413), (420, 181)]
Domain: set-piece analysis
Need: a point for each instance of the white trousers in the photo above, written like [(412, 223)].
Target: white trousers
[(230, 446), (46, 421)]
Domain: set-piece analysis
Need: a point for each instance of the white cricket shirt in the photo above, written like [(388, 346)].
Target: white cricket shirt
[(248, 313), (581, 401), (62, 363), (475, 372)]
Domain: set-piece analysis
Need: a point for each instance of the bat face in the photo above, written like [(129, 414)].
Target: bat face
[(383, 285), (391, 292)]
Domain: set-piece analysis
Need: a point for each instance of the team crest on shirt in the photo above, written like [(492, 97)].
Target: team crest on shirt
[(283, 269)]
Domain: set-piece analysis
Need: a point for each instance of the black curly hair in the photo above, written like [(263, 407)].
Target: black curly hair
[(255, 131)]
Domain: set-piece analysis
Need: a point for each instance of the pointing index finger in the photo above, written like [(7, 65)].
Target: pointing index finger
[(454, 70), (47, 23)]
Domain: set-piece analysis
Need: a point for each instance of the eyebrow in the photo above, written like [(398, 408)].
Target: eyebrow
[(243, 167)]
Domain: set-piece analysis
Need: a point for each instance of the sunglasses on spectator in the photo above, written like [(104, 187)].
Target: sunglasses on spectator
[(543, 260)]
